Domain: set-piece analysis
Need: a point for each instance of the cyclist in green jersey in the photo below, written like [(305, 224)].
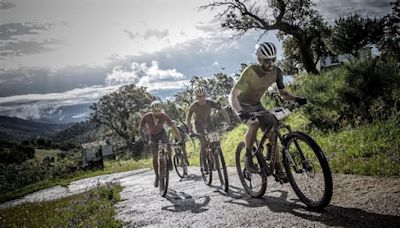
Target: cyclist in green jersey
[(246, 94), (202, 110)]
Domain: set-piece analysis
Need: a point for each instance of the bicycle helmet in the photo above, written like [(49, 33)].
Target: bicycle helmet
[(265, 50), (199, 91), (156, 106)]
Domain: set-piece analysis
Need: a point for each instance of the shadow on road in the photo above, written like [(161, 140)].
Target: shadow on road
[(185, 202), (330, 216), (192, 177)]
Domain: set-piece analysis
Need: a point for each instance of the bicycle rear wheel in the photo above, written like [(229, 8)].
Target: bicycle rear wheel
[(180, 165), (220, 166), (164, 174), (206, 169), (255, 184), (308, 170)]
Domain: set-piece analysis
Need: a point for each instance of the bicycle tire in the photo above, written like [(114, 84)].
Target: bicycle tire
[(179, 165), (326, 173), (221, 168), (164, 175), (207, 177), (241, 172)]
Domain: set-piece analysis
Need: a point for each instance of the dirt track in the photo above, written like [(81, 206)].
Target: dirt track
[(357, 201)]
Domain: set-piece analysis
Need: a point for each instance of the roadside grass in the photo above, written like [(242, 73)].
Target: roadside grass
[(90, 209), (370, 149), (109, 167), (40, 154)]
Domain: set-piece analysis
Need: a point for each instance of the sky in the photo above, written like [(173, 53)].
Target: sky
[(57, 57)]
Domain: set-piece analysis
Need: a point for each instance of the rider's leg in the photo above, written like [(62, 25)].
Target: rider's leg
[(203, 143), (250, 138), (154, 150), (272, 137), (164, 139)]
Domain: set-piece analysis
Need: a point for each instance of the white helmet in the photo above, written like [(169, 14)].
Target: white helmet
[(265, 50), (200, 91), (156, 106)]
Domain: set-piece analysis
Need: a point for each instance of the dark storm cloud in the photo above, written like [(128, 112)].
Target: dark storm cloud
[(26, 47), (11, 43), (42, 80), (6, 5), (12, 30), (331, 10)]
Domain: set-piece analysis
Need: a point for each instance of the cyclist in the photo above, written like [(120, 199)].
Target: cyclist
[(202, 109), (183, 131), (154, 123), (245, 97)]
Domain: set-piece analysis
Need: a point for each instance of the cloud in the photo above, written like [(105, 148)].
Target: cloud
[(141, 74), (43, 80), (41, 106), (6, 5), (12, 30), (331, 10), (17, 39), (160, 34)]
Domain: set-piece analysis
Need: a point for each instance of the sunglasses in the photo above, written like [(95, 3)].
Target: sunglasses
[(267, 61)]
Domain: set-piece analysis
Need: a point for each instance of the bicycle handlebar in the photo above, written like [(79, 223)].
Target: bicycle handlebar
[(195, 135)]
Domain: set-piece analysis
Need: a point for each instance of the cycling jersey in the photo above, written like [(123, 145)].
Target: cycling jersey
[(152, 127), (202, 112), (254, 81)]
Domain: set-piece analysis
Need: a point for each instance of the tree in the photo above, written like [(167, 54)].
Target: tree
[(390, 42), (353, 32), (291, 17), (218, 86), (120, 110)]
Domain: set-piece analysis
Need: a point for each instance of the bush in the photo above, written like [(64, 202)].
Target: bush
[(356, 93)]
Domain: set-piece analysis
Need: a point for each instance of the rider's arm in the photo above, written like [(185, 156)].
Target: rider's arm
[(173, 126), (286, 95), (226, 116), (282, 90), (233, 99), (189, 119), (141, 126)]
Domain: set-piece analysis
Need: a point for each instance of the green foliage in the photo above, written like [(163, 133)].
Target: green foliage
[(299, 19), (353, 32), (94, 208), (390, 42), (120, 111), (109, 167), (15, 153), (217, 87), (356, 93), (371, 149)]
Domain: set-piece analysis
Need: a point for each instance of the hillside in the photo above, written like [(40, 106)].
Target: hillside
[(77, 133), (15, 129)]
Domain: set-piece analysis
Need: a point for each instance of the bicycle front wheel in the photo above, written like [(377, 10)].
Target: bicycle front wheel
[(254, 183), (180, 165), (206, 168), (308, 170), (164, 174), (220, 166)]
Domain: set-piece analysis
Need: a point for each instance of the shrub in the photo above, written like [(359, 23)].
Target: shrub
[(356, 93)]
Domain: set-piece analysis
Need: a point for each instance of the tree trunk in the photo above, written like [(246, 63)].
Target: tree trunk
[(307, 55)]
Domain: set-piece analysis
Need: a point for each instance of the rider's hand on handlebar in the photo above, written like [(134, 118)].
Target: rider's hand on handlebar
[(300, 100), (243, 115)]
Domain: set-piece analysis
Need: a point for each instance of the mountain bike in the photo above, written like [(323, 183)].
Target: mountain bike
[(214, 159), (303, 159), (163, 167), (180, 162)]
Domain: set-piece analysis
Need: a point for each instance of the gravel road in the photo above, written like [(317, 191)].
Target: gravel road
[(357, 202)]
